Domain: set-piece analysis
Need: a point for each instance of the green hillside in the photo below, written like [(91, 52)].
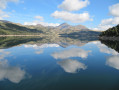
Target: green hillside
[(8, 28), (111, 32)]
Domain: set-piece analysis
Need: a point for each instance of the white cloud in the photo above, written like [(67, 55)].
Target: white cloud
[(110, 22), (114, 10), (102, 27), (3, 15), (73, 52), (42, 23), (71, 66), (73, 5), (107, 23), (39, 17), (113, 61), (40, 20), (74, 18), (3, 3)]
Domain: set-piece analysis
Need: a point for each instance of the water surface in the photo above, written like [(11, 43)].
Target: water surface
[(34, 63)]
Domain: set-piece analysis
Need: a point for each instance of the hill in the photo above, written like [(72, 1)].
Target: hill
[(66, 28), (111, 32), (9, 28)]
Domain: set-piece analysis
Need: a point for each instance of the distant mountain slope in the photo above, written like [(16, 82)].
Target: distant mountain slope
[(111, 32), (81, 27), (7, 27), (66, 26)]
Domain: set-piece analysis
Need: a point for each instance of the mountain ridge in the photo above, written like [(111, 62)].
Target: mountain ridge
[(10, 28)]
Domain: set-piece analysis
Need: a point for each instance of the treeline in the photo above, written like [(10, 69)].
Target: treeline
[(111, 32)]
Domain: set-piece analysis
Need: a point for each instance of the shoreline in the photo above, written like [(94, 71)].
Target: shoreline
[(41, 35), (19, 35), (109, 38)]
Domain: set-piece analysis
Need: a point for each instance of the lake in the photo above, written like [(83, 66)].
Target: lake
[(43, 63)]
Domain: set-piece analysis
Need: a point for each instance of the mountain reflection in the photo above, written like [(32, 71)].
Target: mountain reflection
[(12, 73), (42, 42)]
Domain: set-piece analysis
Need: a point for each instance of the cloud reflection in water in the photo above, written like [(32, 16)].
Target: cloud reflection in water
[(113, 61), (73, 52), (12, 73), (105, 49), (71, 66)]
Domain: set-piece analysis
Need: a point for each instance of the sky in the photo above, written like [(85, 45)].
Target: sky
[(94, 14)]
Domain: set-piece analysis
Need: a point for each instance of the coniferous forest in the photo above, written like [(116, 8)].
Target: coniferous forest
[(111, 32)]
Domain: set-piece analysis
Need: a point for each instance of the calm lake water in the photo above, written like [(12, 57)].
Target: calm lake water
[(58, 64)]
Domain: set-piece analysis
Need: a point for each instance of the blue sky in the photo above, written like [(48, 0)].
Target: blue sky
[(94, 14)]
